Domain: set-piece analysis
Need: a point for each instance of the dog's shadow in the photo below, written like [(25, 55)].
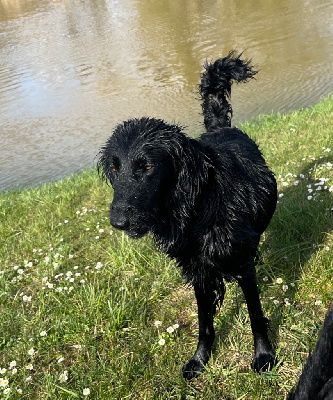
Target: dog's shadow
[(297, 231)]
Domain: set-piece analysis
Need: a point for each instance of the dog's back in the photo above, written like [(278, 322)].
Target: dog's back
[(233, 149)]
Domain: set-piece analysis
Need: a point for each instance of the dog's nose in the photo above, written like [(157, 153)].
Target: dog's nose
[(118, 218)]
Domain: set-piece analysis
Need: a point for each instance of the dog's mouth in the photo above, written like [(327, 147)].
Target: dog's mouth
[(138, 231)]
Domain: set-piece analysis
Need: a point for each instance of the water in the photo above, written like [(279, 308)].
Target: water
[(71, 70)]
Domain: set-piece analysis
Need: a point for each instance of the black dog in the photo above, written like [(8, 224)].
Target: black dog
[(206, 201), (316, 381)]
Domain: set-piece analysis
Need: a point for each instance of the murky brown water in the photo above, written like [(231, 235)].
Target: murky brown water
[(71, 69)]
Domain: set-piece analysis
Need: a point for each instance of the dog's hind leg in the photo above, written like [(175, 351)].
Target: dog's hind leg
[(264, 358), (207, 300)]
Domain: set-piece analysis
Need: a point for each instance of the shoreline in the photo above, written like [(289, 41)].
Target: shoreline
[(260, 119)]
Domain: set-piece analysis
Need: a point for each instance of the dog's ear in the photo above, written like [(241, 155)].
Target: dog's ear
[(191, 176)]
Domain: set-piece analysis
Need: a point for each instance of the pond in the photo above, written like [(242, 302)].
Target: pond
[(72, 69)]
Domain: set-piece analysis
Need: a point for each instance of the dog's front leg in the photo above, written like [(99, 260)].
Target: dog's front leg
[(264, 358), (206, 300)]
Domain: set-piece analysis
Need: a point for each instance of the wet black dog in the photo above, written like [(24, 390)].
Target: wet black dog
[(316, 381), (206, 201)]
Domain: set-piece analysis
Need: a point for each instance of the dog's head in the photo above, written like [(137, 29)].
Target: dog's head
[(140, 160)]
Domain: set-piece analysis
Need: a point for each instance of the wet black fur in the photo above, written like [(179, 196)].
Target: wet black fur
[(206, 201), (316, 381)]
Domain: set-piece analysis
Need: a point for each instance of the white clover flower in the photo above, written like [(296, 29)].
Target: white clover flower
[(63, 377), (86, 392), (4, 382), (170, 329), (161, 342)]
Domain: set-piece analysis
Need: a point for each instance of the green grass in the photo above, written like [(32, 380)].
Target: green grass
[(101, 322)]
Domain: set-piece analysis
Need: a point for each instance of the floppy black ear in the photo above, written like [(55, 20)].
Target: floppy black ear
[(103, 165), (192, 174)]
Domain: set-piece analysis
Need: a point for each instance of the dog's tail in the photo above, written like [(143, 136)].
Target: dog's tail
[(316, 381), (215, 88)]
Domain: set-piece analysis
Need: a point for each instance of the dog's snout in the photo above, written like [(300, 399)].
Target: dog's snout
[(119, 217)]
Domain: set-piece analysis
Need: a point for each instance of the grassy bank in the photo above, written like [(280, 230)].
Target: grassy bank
[(79, 302)]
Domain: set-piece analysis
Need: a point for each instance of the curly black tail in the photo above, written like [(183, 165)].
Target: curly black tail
[(316, 381), (215, 88)]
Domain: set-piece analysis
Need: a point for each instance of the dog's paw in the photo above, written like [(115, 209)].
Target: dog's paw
[(192, 369), (263, 362)]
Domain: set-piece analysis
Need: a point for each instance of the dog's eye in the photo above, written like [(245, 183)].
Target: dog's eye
[(148, 167)]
